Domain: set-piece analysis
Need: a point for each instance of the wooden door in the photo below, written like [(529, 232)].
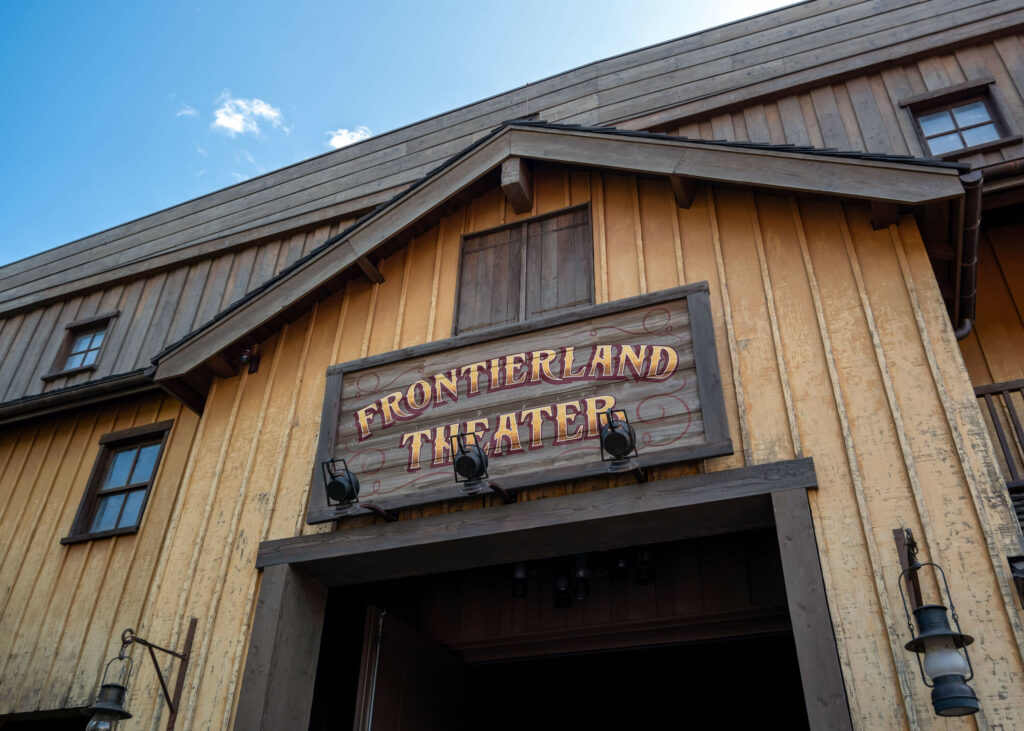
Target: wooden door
[(407, 682)]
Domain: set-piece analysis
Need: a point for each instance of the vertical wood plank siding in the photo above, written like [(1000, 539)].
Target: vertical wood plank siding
[(62, 608), (863, 113), (154, 311), (833, 343)]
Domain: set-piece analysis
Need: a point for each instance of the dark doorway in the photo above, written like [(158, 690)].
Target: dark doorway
[(726, 684), (671, 632)]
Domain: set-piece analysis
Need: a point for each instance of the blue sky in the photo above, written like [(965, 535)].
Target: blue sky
[(113, 110)]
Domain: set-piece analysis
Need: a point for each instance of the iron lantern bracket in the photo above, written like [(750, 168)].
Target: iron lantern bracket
[(128, 637)]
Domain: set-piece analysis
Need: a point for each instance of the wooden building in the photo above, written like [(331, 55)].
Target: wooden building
[(787, 249)]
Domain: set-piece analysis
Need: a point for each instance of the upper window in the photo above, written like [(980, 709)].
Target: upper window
[(120, 482), (960, 119), (524, 271), (958, 126), (83, 343)]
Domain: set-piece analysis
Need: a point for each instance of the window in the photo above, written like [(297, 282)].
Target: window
[(120, 482), (524, 271), (958, 126), (959, 119), (82, 345)]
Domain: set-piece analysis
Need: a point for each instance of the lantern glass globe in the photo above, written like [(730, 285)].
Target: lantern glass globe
[(942, 658)]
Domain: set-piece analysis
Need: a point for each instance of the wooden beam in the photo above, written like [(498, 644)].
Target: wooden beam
[(372, 272), (517, 182), (884, 214), (221, 366), (284, 646), (820, 673), (684, 189), (707, 504)]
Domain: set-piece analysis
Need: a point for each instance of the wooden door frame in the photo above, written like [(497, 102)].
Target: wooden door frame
[(281, 663)]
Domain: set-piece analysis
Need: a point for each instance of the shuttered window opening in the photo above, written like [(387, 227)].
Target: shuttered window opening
[(527, 270)]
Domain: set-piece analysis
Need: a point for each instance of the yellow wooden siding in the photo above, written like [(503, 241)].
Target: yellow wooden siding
[(833, 343), (863, 113), (994, 351), (62, 608)]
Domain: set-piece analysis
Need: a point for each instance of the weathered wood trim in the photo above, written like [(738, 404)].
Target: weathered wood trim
[(683, 189), (517, 183), (663, 510), (950, 92), (709, 376), (73, 397), (137, 431), (820, 671), (284, 647), (317, 507), (884, 214), (368, 268), (851, 177)]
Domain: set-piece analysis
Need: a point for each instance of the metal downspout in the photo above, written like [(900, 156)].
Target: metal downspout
[(972, 182)]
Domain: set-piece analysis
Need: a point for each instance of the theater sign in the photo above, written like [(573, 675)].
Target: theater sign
[(532, 396)]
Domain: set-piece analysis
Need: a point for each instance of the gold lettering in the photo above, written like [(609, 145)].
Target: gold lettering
[(414, 440), (568, 354), (540, 363), (633, 357), (564, 412), (507, 429), (472, 372), (390, 407), (363, 418), (594, 407), (671, 361), (426, 393), (602, 357), (534, 418), (447, 381), (513, 363), (495, 366), (442, 443), (478, 428)]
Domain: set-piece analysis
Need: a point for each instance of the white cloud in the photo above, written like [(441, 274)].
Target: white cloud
[(200, 173), (187, 111), (242, 116), (341, 137), (201, 151), (246, 155), (239, 177)]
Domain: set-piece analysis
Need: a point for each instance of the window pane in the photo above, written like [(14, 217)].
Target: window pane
[(933, 124), (946, 143), (97, 339), (120, 465), (979, 135), (143, 471), (106, 513), (90, 357), (970, 114), (130, 515), (81, 343), (73, 361)]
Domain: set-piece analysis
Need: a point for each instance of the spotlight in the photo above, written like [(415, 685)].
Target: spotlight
[(519, 580), (563, 597), (341, 485), (618, 441), (470, 464), (581, 578)]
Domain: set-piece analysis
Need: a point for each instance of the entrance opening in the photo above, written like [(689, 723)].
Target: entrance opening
[(687, 631)]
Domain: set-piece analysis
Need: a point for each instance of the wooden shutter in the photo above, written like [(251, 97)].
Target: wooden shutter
[(534, 268), (559, 264), (490, 280)]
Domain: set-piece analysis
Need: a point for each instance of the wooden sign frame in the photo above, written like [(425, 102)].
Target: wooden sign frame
[(709, 386)]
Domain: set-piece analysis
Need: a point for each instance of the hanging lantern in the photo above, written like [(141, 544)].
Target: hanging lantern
[(108, 708), (470, 464), (941, 652), (618, 441), (341, 485)]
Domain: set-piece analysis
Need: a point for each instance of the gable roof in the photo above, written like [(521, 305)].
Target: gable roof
[(793, 47), (805, 170)]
